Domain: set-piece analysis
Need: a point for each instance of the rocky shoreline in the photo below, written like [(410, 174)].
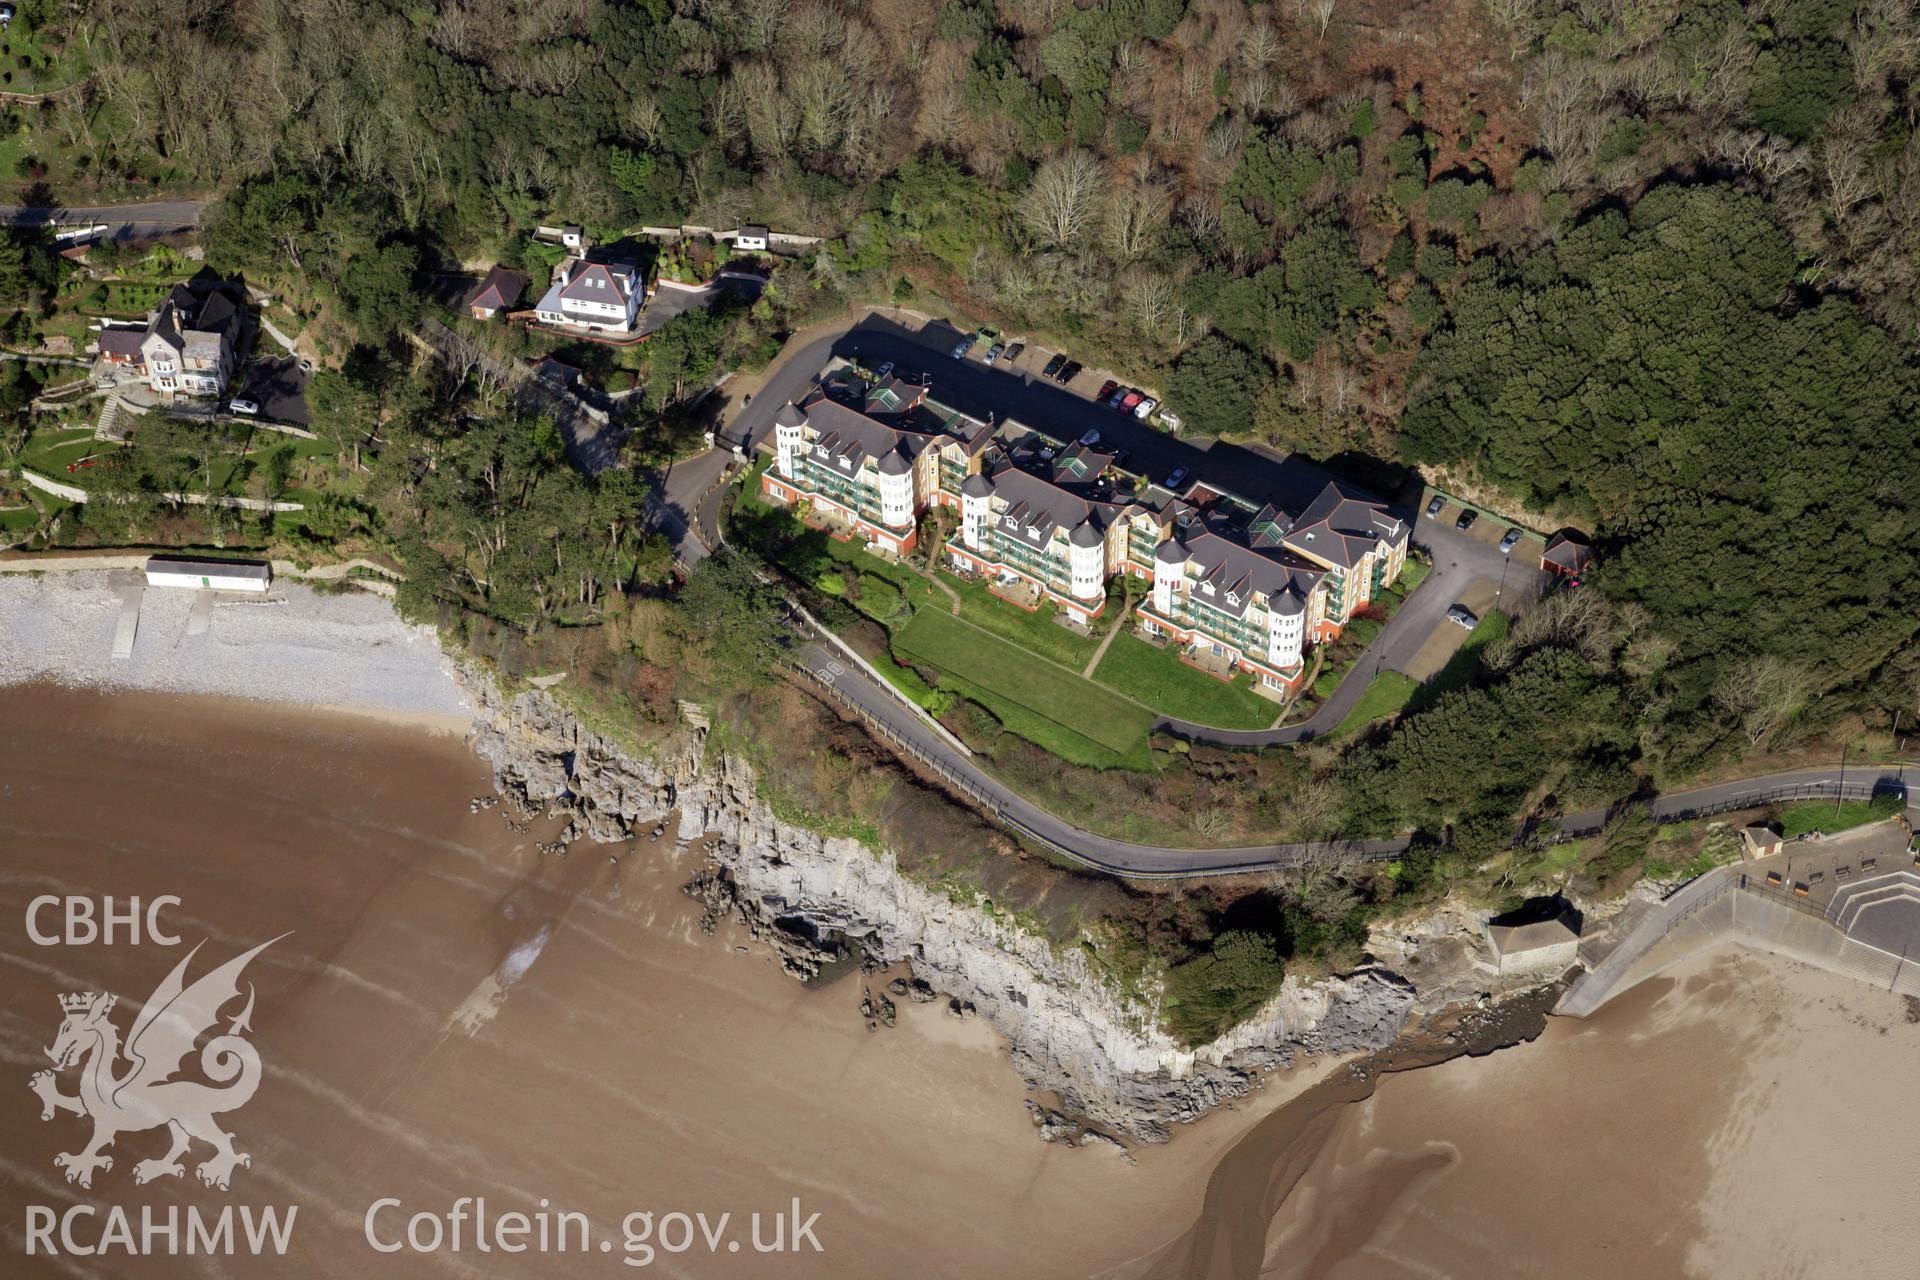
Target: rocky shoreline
[(813, 897)]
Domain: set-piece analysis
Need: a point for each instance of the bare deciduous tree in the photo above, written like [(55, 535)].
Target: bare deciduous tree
[(1065, 198), (1763, 695)]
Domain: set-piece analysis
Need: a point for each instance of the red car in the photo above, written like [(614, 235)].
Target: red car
[(1131, 399), (1107, 388)]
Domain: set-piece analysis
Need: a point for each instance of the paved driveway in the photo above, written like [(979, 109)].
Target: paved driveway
[(683, 502), (279, 387)]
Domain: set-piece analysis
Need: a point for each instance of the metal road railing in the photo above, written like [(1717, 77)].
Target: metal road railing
[(992, 806)]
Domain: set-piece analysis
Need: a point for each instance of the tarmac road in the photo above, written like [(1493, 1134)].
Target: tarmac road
[(152, 218)]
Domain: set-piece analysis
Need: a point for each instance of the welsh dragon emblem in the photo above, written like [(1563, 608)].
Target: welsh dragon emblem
[(145, 1094)]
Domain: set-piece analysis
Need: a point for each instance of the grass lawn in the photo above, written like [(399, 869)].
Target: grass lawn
[(1387, 695), (49, 451), (1035, 631), (1821, 815), (1001, 668), (1158, 678)]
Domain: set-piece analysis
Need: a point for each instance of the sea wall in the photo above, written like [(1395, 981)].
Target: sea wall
[(1070, 1032)]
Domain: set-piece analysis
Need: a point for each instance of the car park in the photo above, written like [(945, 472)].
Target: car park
[(1462, 616), (1146, 406), (1107, 388), (1433, 508), (994, 352), (1054, 365), (1512, 540), (247, 407), (1068, 373), (1177, 478), (1090, 439), (1466, 519)]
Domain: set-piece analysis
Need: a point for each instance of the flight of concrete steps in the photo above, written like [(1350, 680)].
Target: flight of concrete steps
[(108, 425)]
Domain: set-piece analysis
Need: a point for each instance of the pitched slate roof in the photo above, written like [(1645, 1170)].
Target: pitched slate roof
[(502, 288), (598, 282), (1035, 507), (122, 342), (850, 437), (1341, 525), (1227, 575)]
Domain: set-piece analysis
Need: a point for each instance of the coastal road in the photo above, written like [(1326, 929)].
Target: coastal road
[(152, 218), (1858, 782), (880, 709)]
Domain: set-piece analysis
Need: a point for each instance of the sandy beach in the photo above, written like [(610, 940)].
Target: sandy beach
[(1744, 1116), (455, 1015)]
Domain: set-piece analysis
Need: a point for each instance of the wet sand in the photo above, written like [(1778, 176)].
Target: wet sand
[(1745, 1116), (453, 1015)]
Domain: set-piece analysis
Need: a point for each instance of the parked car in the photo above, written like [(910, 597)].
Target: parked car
[(994, 352), (247, 407), (1512, 540), (1068, 373), (1177, 478), (1119, 394), (884, 372), (1090, 439), (1106, 390), (1054, 365), (963, 346), (1433, 508), (1146, 406), (1013, 351), (1466, 519), (1460, 615)]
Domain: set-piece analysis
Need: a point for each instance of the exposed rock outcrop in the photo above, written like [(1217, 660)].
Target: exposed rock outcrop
[(811, 896)]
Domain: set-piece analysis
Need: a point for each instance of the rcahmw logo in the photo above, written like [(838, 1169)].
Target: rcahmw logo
[(131, 1087)]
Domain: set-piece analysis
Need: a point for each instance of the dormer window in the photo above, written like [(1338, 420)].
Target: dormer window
[(1233, 597)]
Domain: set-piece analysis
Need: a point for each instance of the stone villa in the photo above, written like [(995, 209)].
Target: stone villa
[(189, 345)]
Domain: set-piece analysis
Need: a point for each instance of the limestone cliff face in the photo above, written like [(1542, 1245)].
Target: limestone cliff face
[(1070, 1032)]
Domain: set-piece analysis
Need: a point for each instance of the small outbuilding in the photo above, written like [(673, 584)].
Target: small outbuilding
[(1566, 555), (1540, 947), (1759, 842), (751, 240), (498, 292), (209, 575)]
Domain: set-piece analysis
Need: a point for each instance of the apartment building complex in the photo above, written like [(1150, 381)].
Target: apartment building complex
[(866, 456), (1237, 586)]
